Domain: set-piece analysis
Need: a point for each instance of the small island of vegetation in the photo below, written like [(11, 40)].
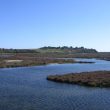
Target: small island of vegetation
[(93, 79)]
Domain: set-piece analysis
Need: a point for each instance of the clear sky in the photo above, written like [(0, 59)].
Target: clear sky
[(37, 23)]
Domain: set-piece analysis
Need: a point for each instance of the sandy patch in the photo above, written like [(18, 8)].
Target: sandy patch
[(13, 61)]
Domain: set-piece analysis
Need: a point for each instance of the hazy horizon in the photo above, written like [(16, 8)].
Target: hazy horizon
[(53, 46), (33, 24)]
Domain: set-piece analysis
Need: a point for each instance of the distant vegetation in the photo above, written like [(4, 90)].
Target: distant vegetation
[(55, 52), (46, 55), (50, 50), (68, 49), (3, 50)]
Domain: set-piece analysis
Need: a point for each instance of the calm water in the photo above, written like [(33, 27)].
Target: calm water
[(26, 88)]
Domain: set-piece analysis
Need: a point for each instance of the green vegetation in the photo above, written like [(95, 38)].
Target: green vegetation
[(3, 50), (66, 49), (93, 79), (50, 50)]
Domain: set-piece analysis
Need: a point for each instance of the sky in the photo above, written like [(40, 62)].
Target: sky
[(38, 23)]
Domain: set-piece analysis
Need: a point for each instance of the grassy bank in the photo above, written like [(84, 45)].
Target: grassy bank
[(32, 59), (93, 79), (32, 62)]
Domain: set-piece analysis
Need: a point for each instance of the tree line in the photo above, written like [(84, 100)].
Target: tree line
[(76, 49)]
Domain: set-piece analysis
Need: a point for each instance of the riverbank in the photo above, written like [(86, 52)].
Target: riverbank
[(32, 62), (36, 62), (29, 59), (93, 79)]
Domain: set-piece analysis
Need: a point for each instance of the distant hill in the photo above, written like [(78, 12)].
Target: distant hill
[(67, 49), (49, 49)]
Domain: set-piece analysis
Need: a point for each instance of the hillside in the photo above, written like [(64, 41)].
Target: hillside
[(49, 49), (66, 49)]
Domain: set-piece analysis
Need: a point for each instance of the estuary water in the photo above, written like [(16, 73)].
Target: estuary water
[(26, 88)]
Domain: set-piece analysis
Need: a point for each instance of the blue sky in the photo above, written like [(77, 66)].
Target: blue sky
[(37, 23)]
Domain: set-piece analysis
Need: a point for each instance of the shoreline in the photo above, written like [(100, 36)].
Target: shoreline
[(25, 60), (21, 63)]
